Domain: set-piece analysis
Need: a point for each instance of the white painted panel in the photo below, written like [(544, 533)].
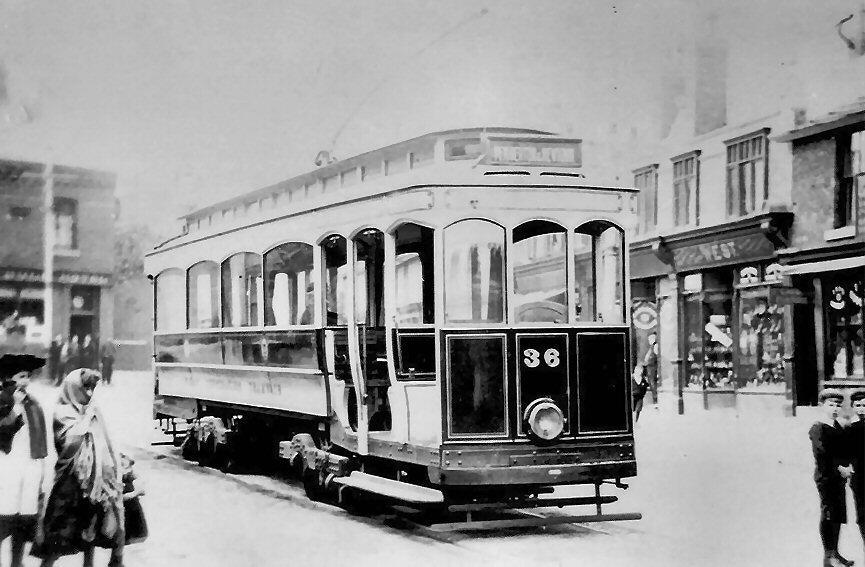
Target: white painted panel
[(301, 393), (424, 414)]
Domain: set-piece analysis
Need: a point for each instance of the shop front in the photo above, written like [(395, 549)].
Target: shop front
[(836, 330), (734, 315)]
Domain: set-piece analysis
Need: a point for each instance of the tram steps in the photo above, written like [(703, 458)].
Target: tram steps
[(391, 488)]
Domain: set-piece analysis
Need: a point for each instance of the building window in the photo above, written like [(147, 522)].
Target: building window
[(747, 174), (686, 189), (850, 170), (646, 180), (65, 223)]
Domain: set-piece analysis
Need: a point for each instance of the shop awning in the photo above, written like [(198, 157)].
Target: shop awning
[(826, 265)]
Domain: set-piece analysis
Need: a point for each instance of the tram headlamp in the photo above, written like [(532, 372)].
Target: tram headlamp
[(545, 419)]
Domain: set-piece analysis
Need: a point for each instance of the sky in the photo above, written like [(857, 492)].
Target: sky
[(192, 102)]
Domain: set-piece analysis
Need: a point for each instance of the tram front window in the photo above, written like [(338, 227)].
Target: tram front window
[(474, 272), (414, 274), (599, 263), (540, 273), (170, 294)]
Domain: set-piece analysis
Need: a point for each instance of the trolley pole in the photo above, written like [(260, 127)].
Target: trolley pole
[(48, 252)]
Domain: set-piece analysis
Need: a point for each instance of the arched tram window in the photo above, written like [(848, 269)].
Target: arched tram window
[(336, 280), (170, 296), (415, 273), (289, 292), (474, 272), (241, 290), (599, 263), (202, 287), (539, 257)]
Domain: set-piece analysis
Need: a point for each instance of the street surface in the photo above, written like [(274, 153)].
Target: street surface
[(714, 490)]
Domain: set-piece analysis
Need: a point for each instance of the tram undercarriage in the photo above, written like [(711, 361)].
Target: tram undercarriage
[(236, 442)]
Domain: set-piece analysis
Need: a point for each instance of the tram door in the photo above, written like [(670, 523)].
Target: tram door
[(369, 325)]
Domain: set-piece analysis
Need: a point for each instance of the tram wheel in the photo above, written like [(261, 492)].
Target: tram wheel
[(312, 484)]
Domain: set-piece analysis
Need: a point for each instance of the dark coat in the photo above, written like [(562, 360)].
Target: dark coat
[(828, 444), (856, 453)]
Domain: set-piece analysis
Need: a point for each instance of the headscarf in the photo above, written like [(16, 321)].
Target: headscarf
[(83, 446)]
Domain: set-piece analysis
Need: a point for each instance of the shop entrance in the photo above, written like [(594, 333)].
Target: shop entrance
[(805, 362), (81, 326)]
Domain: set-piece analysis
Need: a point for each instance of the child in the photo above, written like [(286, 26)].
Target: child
[(638, 389), (136, 526), (827, 439), (856, 448)]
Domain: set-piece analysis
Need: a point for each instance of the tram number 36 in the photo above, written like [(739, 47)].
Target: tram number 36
[(532, 357)]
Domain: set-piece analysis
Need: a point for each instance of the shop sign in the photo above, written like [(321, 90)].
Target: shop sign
[(645, 317), (721, 252), (66, 278)]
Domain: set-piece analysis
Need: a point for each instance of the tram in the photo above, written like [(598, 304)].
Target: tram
[(439, 322)]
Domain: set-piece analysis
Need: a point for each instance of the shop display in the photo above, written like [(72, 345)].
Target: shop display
[(845, 329), (761, 341)]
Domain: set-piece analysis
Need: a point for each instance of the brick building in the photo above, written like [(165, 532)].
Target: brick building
[(78, 232)]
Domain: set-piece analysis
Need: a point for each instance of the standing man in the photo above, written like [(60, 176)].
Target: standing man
[(830, 474), (106, 354), (650, 363), (23, 448), (856, 447)]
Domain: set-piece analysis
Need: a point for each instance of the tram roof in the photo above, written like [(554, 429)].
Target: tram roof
[(339, 181)]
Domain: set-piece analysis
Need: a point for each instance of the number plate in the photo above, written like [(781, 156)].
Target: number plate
[(542, 365)]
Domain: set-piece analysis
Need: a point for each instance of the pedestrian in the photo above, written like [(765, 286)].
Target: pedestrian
[(54, 359), (23, 448), (830, 474), (106, 354), (639, 386), (73, 359), (133, 489), (650, 362), (88, 353), (856, 451), (85, 506)]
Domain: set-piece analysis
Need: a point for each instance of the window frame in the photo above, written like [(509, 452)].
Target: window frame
[(845, 193), (693, 193), (55, 206), (267, 292), (648, 219), (736, 158)]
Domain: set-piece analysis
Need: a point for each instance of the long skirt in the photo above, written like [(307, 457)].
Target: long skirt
[(72, 523)]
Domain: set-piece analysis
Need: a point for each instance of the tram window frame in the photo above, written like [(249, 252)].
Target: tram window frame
[(297, 311), (502, 276), (520, 238), (369, 275), (250, 317), (169, 306), (331, 290), (595, 230), (422, 246), (193, 315)]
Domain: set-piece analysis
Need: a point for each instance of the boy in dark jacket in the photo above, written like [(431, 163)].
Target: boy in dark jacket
[(856, 448), (830, 474)]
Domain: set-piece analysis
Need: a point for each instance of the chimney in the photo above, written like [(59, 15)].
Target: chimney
[(710, 78)]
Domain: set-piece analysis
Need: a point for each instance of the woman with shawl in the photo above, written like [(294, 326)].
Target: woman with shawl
[(85, 507)]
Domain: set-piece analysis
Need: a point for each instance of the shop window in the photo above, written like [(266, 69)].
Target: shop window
[(170, 295), (65, 223), (474, 271), (202, 288), (747, 174), (241, 290), (646, 180), (686, 189), (760, 340), (290, 287), (415, 275), (599, 266), (539, 257), (843, 296), (850, 170), (709, 334)]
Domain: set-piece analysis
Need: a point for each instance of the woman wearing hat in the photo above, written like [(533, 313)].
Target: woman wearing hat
[(830, 474), (23, 448)]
